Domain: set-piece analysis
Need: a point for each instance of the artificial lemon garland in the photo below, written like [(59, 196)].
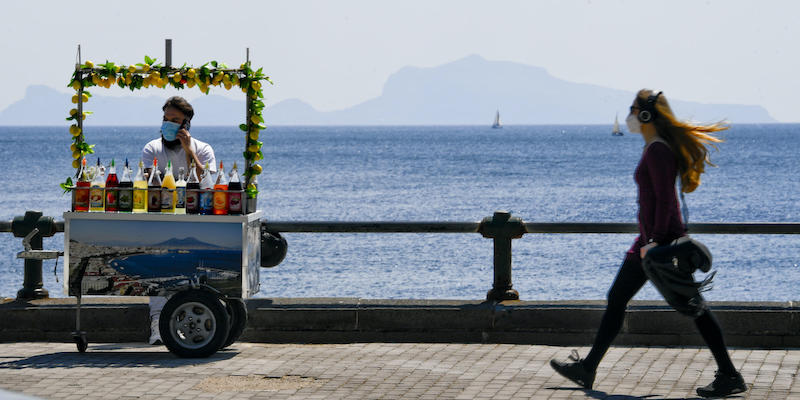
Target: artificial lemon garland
[(149, 73)]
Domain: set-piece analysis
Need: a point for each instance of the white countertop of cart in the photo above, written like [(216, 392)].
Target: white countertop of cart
[(113, 216)]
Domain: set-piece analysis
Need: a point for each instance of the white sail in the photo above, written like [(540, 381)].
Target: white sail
[(497, 123), (616, 131)]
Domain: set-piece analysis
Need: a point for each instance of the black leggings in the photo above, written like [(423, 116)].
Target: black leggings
[(630, 279)]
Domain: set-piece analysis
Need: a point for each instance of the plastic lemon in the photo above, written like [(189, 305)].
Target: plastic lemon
[(227, 85), (256, 169), (251, 186), (190, 73), (84, 97), (177, 77), (75, 99), (132, 69), (89, 64), (73, 111), (76, 85), (253, 135), (73, 147), (145, 67), (256, 85), (76, 154), (76, 163), (254, 119), (244, 90), (252, 148), (74, 130), (190, 84), (235, 79), (259, 156)]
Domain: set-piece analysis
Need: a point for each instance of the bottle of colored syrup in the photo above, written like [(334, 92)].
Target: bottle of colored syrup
[(97, 190), (180, 191), (235, 193), (220, 192), (154, 189), (192, 192), (112, 189), (80, 195), (125, 190), (168, 195), (206, 193), (139, 190)]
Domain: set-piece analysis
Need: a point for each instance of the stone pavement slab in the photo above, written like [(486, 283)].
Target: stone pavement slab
[(377, 371)]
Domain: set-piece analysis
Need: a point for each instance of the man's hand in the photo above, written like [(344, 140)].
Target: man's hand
[(186, 140), (643, 251)]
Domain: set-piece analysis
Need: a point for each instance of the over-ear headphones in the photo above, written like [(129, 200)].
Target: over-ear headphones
[(648, 110)]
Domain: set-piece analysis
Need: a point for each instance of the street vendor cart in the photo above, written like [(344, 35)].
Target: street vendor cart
[(204, 264)]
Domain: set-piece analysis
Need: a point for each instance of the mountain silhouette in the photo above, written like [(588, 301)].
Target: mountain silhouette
[(463, 92), (186, 243)]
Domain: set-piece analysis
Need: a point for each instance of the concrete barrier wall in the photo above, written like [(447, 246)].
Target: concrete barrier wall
[(345, 320)]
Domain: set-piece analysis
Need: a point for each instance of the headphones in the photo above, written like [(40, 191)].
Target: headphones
[(648, 110)]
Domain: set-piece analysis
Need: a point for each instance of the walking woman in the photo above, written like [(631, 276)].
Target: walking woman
[(673, 149)]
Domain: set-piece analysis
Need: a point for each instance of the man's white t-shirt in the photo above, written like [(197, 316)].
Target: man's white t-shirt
[(155, 148)]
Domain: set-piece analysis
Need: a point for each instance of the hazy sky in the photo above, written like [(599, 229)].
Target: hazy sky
[(334, 54)]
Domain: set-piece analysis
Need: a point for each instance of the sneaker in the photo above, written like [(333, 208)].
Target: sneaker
[(723, 385), (574, 371)]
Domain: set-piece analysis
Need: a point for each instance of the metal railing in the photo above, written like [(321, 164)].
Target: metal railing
[(501, 227)]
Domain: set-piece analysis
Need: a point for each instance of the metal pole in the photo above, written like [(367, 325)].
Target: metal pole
[(168, 46), (32, 285)]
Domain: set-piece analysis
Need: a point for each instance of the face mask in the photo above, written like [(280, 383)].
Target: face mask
[(169, 130), (634, 126)]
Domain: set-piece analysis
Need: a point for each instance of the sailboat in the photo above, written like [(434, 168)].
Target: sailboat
[(497, 124), (616, 131)]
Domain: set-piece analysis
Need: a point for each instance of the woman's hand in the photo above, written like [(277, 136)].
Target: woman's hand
[(643, 251)]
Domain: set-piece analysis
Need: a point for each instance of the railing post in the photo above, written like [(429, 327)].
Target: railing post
[(32, 285), (502, 228)]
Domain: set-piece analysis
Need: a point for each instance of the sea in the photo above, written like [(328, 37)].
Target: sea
[(554, 173)]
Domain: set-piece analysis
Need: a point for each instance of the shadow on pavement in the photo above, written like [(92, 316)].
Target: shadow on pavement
[(112, 356), (596, 394)]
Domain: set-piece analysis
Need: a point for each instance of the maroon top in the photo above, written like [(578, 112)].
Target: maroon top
[(659, 211)]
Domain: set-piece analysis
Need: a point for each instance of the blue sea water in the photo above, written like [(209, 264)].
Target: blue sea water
[(539, 173)]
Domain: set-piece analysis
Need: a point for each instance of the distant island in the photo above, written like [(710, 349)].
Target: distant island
[(464, 92)]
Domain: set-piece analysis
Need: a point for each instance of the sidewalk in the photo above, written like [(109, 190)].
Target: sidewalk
[(377, 371)]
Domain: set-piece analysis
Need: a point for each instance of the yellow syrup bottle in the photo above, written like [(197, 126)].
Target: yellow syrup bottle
[(97, 191), (168, 194), (140, 191)]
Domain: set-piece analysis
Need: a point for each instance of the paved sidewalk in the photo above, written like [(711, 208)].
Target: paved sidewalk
[(376, 371)]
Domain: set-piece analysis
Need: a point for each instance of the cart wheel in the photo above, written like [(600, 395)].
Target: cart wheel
[(238, 316), (193, 324), (80, 341)]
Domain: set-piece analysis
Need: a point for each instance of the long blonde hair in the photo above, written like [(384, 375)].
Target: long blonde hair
[(689, 141)]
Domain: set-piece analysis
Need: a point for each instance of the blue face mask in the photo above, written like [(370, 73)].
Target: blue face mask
[(169, 130)]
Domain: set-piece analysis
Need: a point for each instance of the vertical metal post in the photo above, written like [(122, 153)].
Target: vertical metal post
[(168, 48), (502, 229), (247, 164), (32, 285)]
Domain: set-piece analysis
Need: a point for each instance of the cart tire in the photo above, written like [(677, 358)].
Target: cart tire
[(237, 311), (194, 324), (81, 341)]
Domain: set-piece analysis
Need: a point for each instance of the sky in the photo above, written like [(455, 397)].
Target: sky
[(336, 54)]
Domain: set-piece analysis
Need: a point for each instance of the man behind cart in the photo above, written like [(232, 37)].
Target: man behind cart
[(176, 145)]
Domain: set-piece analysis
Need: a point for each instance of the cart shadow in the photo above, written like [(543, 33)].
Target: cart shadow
[(596, 394), (113, 356)]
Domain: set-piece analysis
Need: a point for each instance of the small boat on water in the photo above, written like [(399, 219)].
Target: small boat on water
[(616, 131), (497, 124)]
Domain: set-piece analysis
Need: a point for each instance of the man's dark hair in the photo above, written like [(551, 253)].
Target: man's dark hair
[(180, 104)]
